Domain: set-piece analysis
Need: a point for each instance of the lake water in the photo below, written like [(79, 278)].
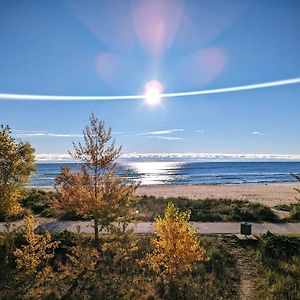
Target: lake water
[(184, 172)]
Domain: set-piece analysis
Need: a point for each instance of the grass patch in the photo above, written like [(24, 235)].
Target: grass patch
[(209, 210), (215, 278), (293, 209), (284, 207), (278, 262)]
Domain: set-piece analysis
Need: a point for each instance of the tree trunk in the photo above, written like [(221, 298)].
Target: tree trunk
[(96, 226)]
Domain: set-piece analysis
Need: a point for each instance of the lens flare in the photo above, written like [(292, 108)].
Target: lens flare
[(153, 90)]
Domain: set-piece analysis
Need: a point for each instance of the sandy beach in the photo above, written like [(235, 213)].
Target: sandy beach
[(267, 194)]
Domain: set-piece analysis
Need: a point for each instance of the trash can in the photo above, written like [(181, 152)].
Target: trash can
[(246, 228)]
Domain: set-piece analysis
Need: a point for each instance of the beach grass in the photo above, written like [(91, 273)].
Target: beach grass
[(293, 209), (277, 260), (148, 207), (208, 210)]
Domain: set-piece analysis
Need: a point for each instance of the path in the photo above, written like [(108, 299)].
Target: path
[(146, 227)]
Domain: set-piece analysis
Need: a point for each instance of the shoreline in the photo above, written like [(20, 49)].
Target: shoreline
[(269, 194)]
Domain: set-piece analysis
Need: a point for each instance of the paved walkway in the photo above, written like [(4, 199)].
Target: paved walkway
[(146, 227)]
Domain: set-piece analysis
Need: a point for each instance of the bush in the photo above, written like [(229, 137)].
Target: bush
[(38, 200)]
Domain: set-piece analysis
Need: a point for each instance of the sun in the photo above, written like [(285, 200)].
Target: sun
[(153, 90)]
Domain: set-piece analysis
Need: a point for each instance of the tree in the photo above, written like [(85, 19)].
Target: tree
[(176, 247), (16, 166), (96, 191)]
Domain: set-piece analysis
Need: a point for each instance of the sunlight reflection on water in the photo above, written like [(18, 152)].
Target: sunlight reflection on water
[(155, 172)]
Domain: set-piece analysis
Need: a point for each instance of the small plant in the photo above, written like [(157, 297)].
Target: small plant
[(34, 256)]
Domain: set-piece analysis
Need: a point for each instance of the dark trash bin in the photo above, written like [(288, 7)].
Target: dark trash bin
[(246, 228)]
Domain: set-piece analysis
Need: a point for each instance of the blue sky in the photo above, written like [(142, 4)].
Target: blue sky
[(115, 47)]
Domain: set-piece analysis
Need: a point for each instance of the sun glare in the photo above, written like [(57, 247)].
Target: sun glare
[(153, 90)]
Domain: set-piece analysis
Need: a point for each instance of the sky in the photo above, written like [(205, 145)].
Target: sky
[(88, 48)]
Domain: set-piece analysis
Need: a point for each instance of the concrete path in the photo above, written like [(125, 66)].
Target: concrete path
[(146, 227)]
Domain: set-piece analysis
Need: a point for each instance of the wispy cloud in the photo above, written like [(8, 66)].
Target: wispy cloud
[(199, 131), (164, 137), (48, 134), (118, 132), (258, 133), (161, 132)]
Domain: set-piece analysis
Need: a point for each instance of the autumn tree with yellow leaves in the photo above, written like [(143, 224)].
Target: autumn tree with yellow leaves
[(16, 166), (176, 247), (96, 191)]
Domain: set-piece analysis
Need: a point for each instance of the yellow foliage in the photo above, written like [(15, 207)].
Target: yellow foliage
[(176, 246), (33, 257), (83, 259), (9, 200), (16, 165), (108, 200)]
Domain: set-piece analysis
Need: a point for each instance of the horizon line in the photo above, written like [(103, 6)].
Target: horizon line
[(178, 155), (32, 97)]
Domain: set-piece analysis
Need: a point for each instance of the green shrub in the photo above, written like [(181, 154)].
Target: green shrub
[(38, 200)]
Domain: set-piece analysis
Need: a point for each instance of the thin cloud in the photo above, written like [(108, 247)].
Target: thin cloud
[(258, 133), (161, 132), (164, 137), (45, 134), (199, 131)]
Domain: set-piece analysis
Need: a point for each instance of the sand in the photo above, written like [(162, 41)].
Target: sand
[(267, 194)]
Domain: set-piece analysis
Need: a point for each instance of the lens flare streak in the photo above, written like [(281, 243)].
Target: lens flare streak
[(11, 96)]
